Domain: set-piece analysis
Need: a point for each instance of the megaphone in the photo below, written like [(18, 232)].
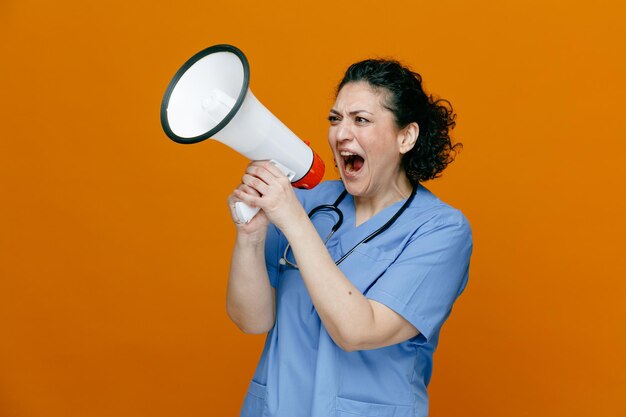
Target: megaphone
[(209, 97)]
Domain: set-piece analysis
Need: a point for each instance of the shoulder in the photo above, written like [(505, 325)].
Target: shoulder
[(428, 213), (325, 193)]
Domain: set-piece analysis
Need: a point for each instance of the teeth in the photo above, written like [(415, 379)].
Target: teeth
[(346, 153)]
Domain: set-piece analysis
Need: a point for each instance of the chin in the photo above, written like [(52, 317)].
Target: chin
[(353, 187)]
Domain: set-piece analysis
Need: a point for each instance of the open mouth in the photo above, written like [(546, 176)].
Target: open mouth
[(352, 162)]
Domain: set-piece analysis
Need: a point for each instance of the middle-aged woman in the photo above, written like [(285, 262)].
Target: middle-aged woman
[(353, 316)]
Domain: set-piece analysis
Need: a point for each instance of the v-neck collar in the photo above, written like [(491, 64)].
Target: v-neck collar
[(351, 235)]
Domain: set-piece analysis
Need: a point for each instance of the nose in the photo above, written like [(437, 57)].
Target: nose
[(343, 132)]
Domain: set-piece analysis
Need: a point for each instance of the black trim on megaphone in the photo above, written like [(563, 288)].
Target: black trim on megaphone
[(242, 94)]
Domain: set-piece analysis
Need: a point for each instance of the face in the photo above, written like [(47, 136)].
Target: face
[(365, 141)]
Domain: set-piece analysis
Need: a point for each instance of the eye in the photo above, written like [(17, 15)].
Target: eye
[(333, 119), (361, 120)]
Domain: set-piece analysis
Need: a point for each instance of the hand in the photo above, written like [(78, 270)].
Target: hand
[(255, 229), (266, 187)]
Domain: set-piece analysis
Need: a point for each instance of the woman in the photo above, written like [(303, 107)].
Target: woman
[(353, 316)]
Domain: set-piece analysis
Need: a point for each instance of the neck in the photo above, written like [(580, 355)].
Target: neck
[(368, 206)]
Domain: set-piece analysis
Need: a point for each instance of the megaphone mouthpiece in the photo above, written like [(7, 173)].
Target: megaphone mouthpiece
[(217, 105)]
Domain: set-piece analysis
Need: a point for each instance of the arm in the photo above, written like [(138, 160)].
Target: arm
[(353, 321), (250, 299)]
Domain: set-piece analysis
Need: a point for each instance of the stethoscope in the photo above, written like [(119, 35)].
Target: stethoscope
[(335, 208)]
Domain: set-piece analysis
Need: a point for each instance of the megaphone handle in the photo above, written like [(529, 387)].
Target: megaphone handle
[(244, 212)]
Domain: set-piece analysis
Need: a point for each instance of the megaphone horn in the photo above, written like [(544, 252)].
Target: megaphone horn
[(209, 97)]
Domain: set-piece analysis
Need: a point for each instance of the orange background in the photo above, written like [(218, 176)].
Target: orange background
[(115, 241)]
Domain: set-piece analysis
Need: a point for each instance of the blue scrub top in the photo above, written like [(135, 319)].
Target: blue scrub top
[(421, 263)]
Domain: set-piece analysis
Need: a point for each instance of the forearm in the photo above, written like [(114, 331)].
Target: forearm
[(250, 299)]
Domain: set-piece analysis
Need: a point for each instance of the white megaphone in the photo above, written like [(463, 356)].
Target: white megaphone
[(209, 98)]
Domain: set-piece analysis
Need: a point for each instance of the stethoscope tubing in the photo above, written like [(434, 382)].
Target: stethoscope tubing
[(335, 208)]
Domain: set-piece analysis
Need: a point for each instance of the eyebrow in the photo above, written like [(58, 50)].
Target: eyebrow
[(352, 113)]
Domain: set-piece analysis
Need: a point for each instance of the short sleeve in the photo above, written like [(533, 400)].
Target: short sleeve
[(272, 255), (429, 274)]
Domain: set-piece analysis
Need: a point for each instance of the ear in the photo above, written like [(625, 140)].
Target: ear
[(407, 137)]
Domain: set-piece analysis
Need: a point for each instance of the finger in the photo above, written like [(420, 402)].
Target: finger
[(274, 170), (254, 166), (232, 199), (268, 173), (270, 167), (246, 198), (256, 169), (232, 207), (256, 183), (249, 190)]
